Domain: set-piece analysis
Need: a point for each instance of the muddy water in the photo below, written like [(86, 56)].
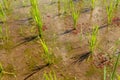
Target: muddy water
[(62, 40)]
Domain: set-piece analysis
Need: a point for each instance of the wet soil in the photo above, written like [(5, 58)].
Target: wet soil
[(22, 52)]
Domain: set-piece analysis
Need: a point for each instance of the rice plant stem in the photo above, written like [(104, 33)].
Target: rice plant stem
[(105, 72), (115, 67)]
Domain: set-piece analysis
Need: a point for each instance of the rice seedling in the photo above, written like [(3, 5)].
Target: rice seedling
[(66, 2), (93, 39), (2, 13), (50, 76), (115, 67), (93, 3), (110, 11), (37, 16), (2, 72), (1, 32), (59, 7), (47, 56), (75, 14)]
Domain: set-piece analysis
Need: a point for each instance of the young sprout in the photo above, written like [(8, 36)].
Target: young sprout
[(2, 72), (47, 56), (50, 76), (93, 39), (2, 13), (36, 16), (110, 10), (75, 14)]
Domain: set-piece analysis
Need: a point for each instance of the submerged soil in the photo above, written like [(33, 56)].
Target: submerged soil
[(21, 53)]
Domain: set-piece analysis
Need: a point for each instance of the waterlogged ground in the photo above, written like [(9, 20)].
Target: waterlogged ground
[(21, 52)]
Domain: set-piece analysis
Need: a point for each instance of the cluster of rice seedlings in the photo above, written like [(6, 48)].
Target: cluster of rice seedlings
[(110, 11), (50, 76), (93, 39), (37, 16), (47, 56), (75, 14), (2, 72)]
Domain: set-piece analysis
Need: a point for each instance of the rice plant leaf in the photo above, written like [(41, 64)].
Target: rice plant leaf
[(115, 67)]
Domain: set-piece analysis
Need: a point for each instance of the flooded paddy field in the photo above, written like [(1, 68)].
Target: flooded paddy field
[(59, 39)]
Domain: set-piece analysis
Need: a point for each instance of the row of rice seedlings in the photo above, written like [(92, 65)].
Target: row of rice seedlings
[(75, 14), (2, 72), (47, 56), (93, 39), (37, 16), (110, 12), (50, 76)]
